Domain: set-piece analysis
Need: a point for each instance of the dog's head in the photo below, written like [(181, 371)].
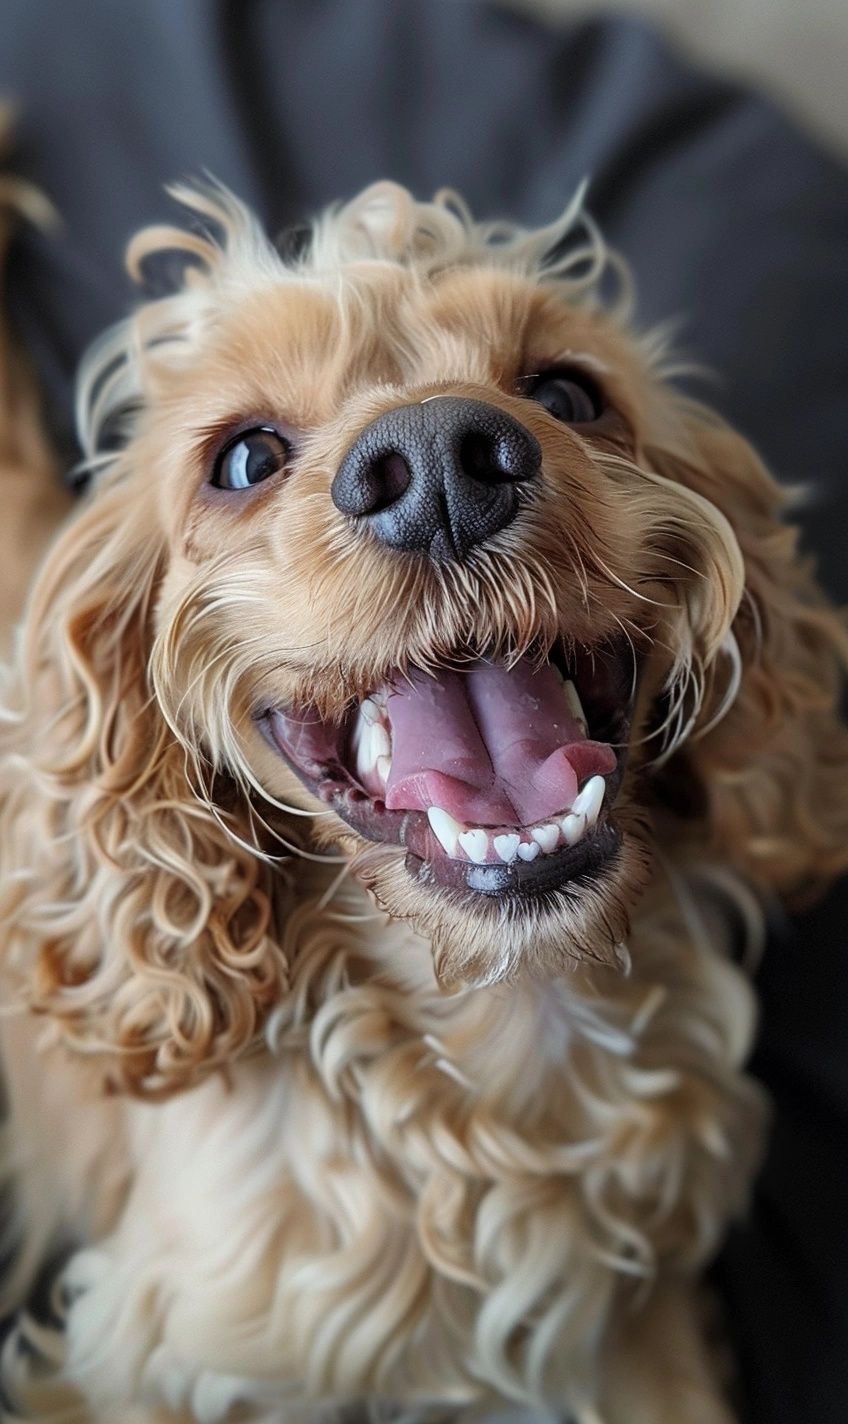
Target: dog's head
[(401, 546)]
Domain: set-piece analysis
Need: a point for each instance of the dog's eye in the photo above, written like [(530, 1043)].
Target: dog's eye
[(571, 396), (251, 457)]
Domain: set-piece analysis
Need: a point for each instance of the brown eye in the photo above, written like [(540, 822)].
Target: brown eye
[(251, 457), (571, 396)]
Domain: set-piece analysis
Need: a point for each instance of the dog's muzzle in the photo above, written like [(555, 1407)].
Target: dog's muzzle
[(437, 477)]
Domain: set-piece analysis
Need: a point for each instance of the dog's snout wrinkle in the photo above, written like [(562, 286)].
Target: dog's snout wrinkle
[(437, 477)]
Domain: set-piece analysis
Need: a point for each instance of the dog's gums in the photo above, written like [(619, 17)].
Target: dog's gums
[(498, 778)]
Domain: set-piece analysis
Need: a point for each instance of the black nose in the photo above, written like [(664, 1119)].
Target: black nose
[(439, 476)]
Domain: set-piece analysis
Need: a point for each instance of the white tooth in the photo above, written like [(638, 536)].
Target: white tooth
[(369, 711), (573, 828), (380, 741), (507, 847), (590, 800), (446, 830), (383, 767), (361, 728), (364, 757), (546, 836), (528, 850), (475, 843), (575, 706)]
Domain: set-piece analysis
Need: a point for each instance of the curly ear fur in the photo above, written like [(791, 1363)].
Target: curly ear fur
[(131, 918), (772, 772)]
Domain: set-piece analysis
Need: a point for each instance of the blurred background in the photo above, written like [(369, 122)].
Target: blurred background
[(796, 52), (714, 133)]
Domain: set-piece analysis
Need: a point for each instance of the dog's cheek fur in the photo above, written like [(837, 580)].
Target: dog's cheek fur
[(771, 775)]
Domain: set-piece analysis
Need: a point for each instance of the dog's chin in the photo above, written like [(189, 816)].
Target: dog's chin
[(488, 936)]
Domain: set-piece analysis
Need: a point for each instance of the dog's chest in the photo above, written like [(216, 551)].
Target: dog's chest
[(406, 1190), (376, 1177)]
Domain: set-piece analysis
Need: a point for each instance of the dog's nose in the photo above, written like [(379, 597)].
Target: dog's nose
[(439, 476)]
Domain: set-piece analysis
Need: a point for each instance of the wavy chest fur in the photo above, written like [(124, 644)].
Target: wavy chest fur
[(416, 1196)]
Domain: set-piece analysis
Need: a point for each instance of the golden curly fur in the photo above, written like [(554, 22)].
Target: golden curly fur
[(313, 1132)]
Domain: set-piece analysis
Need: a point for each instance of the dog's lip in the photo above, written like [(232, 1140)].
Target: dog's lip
[(546, 874), (319, 752)]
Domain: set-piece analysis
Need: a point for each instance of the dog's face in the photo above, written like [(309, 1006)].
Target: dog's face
[(400, 553), (419, 584)]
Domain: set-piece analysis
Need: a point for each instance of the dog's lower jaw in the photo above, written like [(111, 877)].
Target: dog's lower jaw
[(477, 939)]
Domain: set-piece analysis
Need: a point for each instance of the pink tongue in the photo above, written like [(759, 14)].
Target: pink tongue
[(491, 746)]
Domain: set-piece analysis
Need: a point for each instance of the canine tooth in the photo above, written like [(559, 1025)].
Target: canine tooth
[(575, 706), (446, 830), (573, 828), (546, 836), (374, 746), (528, 850), (590, 800), (380, 742), (383, 766), (364, 759), (369, 711), (475, 843), (507, 846)]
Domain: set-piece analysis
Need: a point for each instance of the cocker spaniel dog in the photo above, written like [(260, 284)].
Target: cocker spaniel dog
[(404, 739)]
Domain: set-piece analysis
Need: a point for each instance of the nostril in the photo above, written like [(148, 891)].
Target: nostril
[(478, 459), (389, 478), (507, 455), (367, 483)]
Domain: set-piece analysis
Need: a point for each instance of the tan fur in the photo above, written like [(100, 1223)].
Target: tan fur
[(316, 1147)]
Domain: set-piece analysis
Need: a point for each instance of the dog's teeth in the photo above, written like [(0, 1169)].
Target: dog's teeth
[(575, 706), (381, 745), (590, 800), (383, 767), (369, 711), (528, 850), (546, 836), (364, 759), (373, 749), (573, 828), (446, 830), (507, 847), (475, 843)]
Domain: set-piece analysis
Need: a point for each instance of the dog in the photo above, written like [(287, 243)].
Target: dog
[(405, 738)]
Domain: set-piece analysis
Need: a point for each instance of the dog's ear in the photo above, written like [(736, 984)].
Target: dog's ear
[(773, 770), (131, 918)]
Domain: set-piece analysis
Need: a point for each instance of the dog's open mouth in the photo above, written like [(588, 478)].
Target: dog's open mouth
[(495, 778)]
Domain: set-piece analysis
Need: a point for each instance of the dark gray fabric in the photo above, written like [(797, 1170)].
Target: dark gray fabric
[(728, 216)]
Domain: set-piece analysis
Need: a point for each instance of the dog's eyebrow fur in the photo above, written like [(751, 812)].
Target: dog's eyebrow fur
[(188, 270)]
